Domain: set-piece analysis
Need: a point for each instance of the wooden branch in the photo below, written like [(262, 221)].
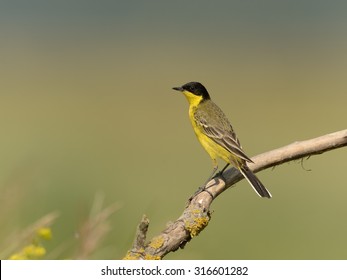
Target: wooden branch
[(196, 214)]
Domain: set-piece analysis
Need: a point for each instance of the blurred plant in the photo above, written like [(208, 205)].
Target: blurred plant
[(95, 228), (27, 245), (35, 250)]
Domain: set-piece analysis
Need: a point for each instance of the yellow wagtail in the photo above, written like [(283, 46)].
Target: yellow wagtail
[(216, 134)]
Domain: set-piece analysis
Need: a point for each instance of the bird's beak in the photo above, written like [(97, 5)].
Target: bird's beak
[(178, 88)]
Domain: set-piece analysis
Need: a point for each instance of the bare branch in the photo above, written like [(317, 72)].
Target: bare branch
[(196, 214)]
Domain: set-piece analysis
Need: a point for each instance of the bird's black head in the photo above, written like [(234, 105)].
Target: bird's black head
[(195, 88)]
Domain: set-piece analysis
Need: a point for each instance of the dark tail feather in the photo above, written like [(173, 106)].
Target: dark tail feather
[(254, 182)]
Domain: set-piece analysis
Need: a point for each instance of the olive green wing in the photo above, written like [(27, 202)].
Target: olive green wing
[(216, 126)]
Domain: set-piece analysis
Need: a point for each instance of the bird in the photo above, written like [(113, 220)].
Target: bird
[(216, 134)]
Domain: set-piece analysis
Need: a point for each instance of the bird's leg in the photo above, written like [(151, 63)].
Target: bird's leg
[(212, 176), (215, 167), (203, 187), (220, 173)]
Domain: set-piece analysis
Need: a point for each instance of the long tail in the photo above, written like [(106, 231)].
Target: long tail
[(254, 182)]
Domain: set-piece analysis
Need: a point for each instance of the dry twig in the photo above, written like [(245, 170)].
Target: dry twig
[(196, 214)]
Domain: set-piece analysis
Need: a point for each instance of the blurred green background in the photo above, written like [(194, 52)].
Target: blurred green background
[(87, 109)]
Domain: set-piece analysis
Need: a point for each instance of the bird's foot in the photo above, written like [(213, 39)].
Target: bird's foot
[(201, 189)]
